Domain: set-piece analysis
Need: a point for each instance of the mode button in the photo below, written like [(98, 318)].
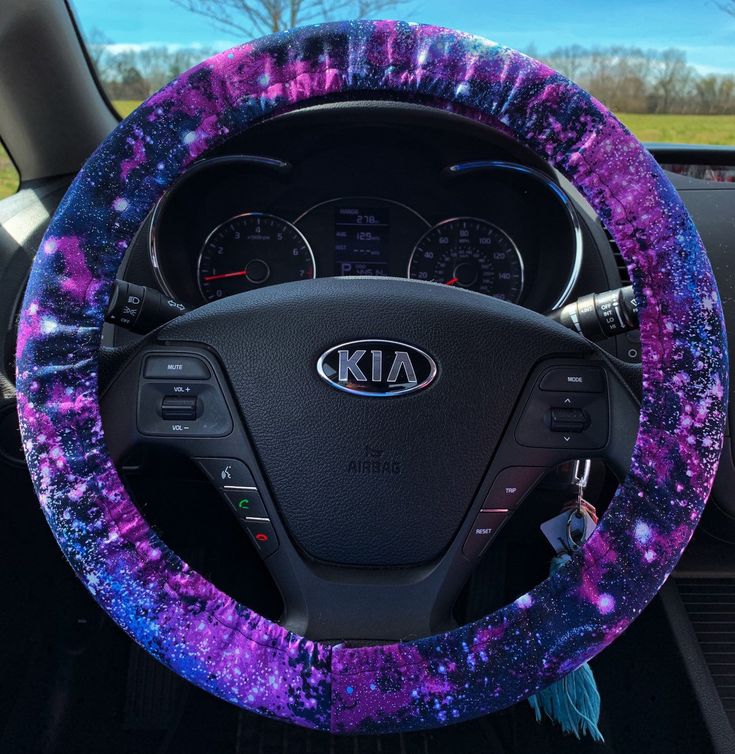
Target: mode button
[(573, 380)]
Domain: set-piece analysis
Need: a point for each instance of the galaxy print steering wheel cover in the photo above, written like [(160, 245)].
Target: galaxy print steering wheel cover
[(222, 646)]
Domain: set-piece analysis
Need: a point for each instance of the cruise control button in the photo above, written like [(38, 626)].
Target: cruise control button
[(246, 503), (227, 472), (573, 380), (485, 527), (175, 368), (511, 485), (263, 535)]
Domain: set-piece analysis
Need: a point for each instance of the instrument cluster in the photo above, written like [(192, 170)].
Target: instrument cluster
[(238, 222), (255, 249)]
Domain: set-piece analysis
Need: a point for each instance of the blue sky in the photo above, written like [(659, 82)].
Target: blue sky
[(697, 26)]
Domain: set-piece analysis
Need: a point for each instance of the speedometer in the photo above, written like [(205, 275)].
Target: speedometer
[(471, 253), (250, 251)]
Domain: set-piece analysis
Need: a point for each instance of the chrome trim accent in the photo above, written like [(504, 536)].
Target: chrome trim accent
[(251, 214), (419, 386), (476, 219), (480, 165), (236, 487), (279, 166)]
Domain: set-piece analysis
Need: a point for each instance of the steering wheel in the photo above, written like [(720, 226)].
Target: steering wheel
[(469, 422)]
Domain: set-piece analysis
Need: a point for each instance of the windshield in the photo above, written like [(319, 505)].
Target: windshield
[(665, 67)]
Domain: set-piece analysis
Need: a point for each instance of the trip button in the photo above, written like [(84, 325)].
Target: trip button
[(246, 503), (175, 368), (511, 485), (263, 535), (483, 531), (227, 472), (573, 380)]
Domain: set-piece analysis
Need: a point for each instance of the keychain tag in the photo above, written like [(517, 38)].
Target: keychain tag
[(556, 530), (568, 531)]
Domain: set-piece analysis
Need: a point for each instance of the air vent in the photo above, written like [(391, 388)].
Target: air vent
[(619, 262), (710, 604)]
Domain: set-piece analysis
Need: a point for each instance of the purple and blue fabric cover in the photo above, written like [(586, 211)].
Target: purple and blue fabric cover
[(206, 636)]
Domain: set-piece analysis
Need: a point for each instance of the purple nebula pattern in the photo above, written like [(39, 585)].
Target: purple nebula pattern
[(224, 647)]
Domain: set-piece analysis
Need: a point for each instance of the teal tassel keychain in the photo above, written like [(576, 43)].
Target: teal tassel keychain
[(573, 701)]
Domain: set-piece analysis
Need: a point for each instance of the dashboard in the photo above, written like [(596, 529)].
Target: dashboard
[(367, 199)]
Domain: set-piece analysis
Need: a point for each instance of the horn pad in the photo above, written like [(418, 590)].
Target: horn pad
[(362, 480)]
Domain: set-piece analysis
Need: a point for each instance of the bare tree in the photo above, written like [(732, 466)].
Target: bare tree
[(716, 94), (97, 45), (569, 61), (249, 17), (673, 79), (626, 79)]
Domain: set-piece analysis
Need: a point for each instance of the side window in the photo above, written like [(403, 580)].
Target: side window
[(8, 175)]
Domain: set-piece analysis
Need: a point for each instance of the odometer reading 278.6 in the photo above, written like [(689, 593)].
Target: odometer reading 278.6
[(250, 251), (467, 252)]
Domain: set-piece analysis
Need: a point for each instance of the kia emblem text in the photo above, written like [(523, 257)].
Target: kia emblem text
[(376, 368)]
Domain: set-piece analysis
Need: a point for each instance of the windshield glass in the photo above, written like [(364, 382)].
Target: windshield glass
[(666, 67)]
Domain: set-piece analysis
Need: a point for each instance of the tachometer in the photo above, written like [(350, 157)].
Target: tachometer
[(468, 252), (252, 250)]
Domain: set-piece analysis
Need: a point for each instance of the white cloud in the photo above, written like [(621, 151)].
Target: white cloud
[(216, 44)]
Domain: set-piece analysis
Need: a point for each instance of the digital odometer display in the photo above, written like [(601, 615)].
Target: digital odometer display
[(361, 236), (467, 252)]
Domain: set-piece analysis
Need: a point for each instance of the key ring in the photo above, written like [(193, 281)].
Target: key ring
[(580, 477), (572, 542)]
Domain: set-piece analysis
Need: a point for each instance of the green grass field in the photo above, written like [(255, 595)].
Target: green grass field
[(683, 129), (8, 176), (125, 106)]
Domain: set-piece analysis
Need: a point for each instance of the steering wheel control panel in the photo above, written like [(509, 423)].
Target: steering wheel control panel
[(179, 396), (235, 482), (568, 408), (508, 490)]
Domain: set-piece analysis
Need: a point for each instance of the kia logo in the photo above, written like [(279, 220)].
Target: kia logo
[(376, 368)]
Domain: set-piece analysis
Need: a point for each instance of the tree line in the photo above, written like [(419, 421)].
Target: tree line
[(626, 79), (633, 80)]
